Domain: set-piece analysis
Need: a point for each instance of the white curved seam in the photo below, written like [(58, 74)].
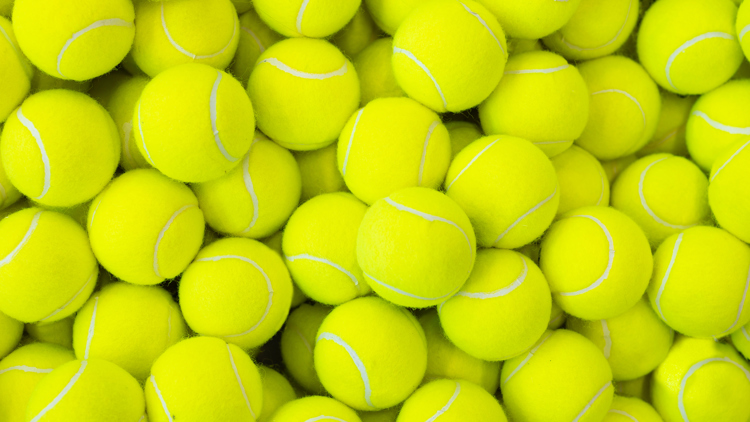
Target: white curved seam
[(743, 32), (7, 38), (127, 127), (484, 24), (95, 25), (610, 259), (28, 124), (254, 37), (161, 398), (142, 418), (742, 305), (239, 381), (425, 69), (424, 150), (179, 48), (62, 393), (143, 137), (355, 359), (93, 214), (78, 293), (326, 418), (304, 340), (526, 214), (90, 334), (300, 15), (627, 94), (687, 45), (161, 236), (24, 368), (327, 262), (729, 160), (666, 276), (644, 203), (404, 293), (214, 116), (732, 130), (476, 157), (617, 35), (499, 292), (428, 217), (249, 187), (692, 370), (24, 240), (623, 413), (306, 75), (351, 140), (448, 405), (607, 339), (527, 71), (591, 402), (527, 358)]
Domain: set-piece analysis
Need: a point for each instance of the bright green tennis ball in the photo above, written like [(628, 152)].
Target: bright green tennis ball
[(74, 39), (274, 242), (255, 38), (639, 388), (452, 401), (742, 25), (462, 62), (564, 377), (613, 168), (389, 14), (276, 392), (194, 123), (702, 380), (387, 415), (6, 7), (690, 46), (391, 144), (541, 98), (596, 29), (531, 19), (360, 32), (669, 135), (375, 72), (445, 360), (557, 317), (628, 409), (308, 18), (297, 342), (700, 282), (60, 148), (597, 261), (303, 91), (10, 334), (624, 108), (370, 354), (204, 379), (315, 408), (242, 6), (741, 340), (507, 187), (634, 343), (46, 266), (58, 332), (729, 190), (9, 195), (462, 133), (175, 32), (44, 82), (145, 228), (581, 178), (503, 308), (416, 247), (257, 196), (17, 71), (319, 172)]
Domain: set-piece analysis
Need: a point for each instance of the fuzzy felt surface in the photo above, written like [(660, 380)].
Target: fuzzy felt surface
[(728, 193)]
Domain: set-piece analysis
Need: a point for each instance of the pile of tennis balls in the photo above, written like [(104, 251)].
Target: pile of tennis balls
[(374, 210)]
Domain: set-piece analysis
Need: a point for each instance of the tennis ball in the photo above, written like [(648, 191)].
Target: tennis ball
[(194, 123), (451, 401), (729, 191), (360, 32), (313, 19), (58, 332), (669, 135), (74, 39), (145, 228), (531, 19), (702, 380), (596, 29), (447, 72), (634, 343), (9, 195), (502, 310), (320, 248), (274, 242), (255, 38), (445, 360), (581, 178), (375, 72), (557, 317), (387, 415), (617, 259), (624, 109), (613, 168), (17, 206), (520, 46), (416, 247), (21, 371), (507, 187), (47, 270), (628, 409), (639, 388), (391, 144), (204, 379), (690, 46), (17, 71), (461, 134), (562, 378), (6, 7), (540, 98), (87, 391), (314, 408), (242, 6), (10, 334), (319, 172), (297, 342), (742, 25), (741, 340), (370, 354), (237, 289), (276, 392), (60, 148), (257, 196), (303, 91), (44, 82), (389, 14), (700, 280), (175, 32)]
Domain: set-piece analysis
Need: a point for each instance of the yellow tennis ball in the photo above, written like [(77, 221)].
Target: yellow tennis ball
[(375, 72), (741, 340), (43, 82), (194, 123), (313, 19), (145, 228), (315, 408), (634, 343), (624, 109), (562, 378), (17, 71), (319, 172), (58, 332), (669, 135), (531, 19), (507, 187), (461, 134), (387, 415), (628, 409), (452, 401), (204, 379), (503, 308), (540, 98), (557, 317), (257, 196), (639, 388), (700, 280), (520, 46), (242, 6), (6, 7), (416, 247), (9, 195), (742, 25), (10, 334), (360, 32), (297, 342), (729, 190), (370, 354), (255, 38), (597, 261), (60, 148), (596, 29), (47, 270), (175, 32), (690, 46), (581, 178), (702, 380), (613, 168), (274, 242), (303, 91), (389, 14), (276, 392), (74, 39), (449, 73)]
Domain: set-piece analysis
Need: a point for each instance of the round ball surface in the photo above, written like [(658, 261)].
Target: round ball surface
[(741, 340), (310, 18), (17, 71), (319, 172), (360, 32), (531, 19), (58, 332), (742, 24), (582, 180), (315, 408), (669, 135), (389, 14), (11, 330), (462, 133), (9, 195), (255, 38), (729, 190), (375, 72), (276, 392), (297, 341), (452, 401), (627, 409)]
